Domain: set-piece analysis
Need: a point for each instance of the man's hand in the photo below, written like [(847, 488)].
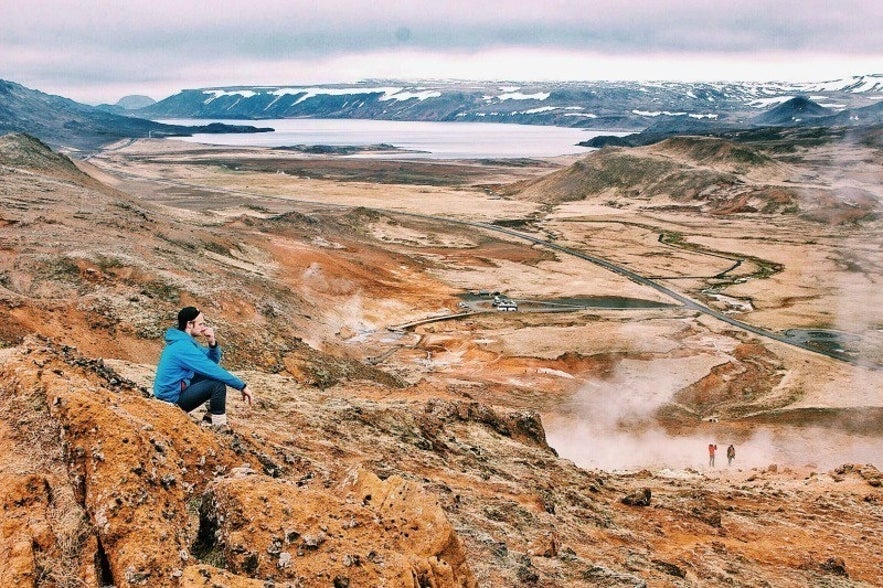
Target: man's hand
[(209, 333), (246, 396)]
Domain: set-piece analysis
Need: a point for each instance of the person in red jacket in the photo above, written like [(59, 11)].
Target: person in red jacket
[(711, 449)]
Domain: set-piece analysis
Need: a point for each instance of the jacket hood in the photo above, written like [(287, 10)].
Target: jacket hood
[(173, 335)]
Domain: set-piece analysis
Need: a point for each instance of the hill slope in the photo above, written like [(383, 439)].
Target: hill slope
[(796, 110), (61, 122), (710, 175), (82, 254), (21, 151), (341, 473)]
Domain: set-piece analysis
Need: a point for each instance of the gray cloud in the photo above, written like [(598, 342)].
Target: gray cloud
[(54, 43)]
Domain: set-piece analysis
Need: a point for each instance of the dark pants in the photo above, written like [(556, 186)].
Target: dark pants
[(202, 389)]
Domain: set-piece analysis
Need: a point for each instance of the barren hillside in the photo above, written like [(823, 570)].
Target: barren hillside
[(560, 445), (708, 175)]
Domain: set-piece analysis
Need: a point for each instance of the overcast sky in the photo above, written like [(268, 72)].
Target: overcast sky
[(99, 51)]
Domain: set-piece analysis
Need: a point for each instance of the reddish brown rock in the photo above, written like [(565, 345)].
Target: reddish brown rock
[(204, 576), (367, 533), (132, 463), (25, 530)]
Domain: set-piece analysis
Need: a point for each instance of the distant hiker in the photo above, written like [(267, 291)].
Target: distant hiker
[(711, 449), (188, 373), (731, 454)]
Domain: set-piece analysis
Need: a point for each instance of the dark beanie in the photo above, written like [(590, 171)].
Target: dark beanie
[(187, 314)]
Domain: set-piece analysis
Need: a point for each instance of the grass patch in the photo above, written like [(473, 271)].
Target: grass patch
[(63, 268), (161, 290)]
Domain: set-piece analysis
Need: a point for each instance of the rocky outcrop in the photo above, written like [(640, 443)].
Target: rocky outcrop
[(420, 527), (640, 498), (132, 464), (525, 426), (140, 469), (366, 532), (25, 533), (100, 485)]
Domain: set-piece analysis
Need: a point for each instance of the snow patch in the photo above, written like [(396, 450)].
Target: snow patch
[(421, 96), (766, 102), (655, 113), (215, 94), (537, 110), (542, 109), (855, 85), (519, 96), (313, 92), (387, 93)]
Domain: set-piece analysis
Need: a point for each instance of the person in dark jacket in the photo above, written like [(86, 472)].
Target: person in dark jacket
[(189, 374)]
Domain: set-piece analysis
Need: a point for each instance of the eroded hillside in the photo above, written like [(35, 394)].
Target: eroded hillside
[(708, 175), (102, 485), (426, 456)]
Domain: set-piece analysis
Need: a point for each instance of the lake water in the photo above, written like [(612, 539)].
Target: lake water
[(435, 140)]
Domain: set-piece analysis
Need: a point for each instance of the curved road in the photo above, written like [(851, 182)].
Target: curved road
[(637, 278)]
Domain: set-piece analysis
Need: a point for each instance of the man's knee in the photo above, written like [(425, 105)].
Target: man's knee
[(218, 399)]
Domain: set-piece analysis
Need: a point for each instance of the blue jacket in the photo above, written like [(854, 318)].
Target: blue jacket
[(181, 359)]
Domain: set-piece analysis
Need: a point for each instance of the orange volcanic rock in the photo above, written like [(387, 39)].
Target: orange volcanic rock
[(132, 463), (137, 466), (25, 532), (366, 533), (420, 458)]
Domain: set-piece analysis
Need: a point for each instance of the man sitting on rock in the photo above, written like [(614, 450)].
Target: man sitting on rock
[(188, 373)]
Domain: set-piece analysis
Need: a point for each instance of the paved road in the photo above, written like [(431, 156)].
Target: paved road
[(637, 278), (599, 261)]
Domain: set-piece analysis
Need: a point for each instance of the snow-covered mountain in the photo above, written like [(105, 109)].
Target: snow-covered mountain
[(610, 105), (63, 123)]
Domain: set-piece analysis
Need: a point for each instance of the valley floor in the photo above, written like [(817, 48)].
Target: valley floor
[(595, 369), (494, 448)]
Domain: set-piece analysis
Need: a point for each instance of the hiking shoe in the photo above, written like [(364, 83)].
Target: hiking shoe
[(222, 429), (207, 417)]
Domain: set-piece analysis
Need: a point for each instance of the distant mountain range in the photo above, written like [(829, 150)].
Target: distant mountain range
[(63, 123), (600, 105), (795, 118), (653, 110)]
